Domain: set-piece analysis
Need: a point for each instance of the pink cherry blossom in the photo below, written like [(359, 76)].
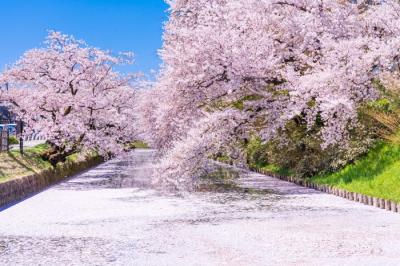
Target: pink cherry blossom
[(277, 58), (70, 93)]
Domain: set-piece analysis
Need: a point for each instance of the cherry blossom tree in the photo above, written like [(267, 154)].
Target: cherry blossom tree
[(71, 93), (261, 63)]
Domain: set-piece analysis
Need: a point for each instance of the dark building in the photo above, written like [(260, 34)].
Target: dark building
[(7, 118), (5, 115)]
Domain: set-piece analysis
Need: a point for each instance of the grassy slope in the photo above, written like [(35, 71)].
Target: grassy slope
[(376, 174), (13, 165)]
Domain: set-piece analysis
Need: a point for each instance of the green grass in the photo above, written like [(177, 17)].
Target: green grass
[(276, 169), (138, 145), (36, 149), (73, 157), (376, 174), (14, 165)]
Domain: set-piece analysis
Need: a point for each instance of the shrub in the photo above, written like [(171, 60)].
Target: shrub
[(13, 140), (298, 149)]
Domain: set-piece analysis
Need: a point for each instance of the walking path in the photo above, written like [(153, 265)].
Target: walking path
[(109, 216), (28, 144)]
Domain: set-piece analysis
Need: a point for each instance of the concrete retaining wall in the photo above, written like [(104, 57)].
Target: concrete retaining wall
[(354, 196), (17, 189)]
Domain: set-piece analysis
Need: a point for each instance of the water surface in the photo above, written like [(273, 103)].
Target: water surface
[(111, 215)]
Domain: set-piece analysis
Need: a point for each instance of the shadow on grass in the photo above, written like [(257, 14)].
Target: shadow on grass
[(22, 164)]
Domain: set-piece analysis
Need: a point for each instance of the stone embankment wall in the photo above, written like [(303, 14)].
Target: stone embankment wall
[(17, 189), (354, 196)]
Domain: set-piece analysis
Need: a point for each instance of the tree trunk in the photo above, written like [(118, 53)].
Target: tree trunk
[(56, 155)]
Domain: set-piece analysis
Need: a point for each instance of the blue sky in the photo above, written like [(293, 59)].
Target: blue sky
[(116, 25)]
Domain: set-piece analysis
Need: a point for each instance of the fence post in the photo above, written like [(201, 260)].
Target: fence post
[(20, 130), (21, 145)]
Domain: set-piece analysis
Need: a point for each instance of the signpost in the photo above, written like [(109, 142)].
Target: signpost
[(4, 139), (4, 133)]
